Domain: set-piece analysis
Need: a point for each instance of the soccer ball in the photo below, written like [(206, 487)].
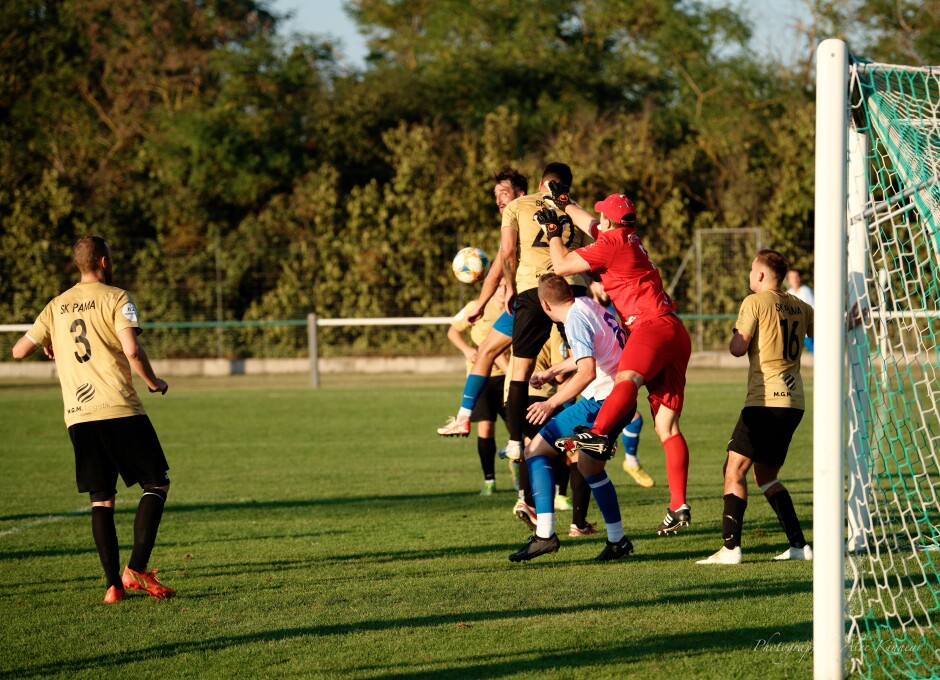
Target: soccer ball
[(470, 265)]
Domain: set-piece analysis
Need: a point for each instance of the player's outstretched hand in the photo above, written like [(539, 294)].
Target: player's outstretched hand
[(475, 313), (162, 387), (550, 222), (559, 198), (539, 412), (540, 378)]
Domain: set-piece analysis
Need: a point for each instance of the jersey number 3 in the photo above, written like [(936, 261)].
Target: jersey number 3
[(80, 339)]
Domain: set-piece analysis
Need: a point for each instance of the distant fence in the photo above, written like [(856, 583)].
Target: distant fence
[(337, 344)]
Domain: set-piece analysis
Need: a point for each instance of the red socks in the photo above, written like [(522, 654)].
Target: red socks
[(677, 469), (621, 399)]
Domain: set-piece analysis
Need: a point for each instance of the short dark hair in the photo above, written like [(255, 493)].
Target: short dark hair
[(553, 289), (516, 178), (775, 262), (560, 172), (88, 252)]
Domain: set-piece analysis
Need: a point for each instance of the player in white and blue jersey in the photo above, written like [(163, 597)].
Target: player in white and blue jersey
[(630, 436), (596, 341)]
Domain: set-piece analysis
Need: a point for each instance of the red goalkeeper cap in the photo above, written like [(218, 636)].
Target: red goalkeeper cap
[(617, 208)]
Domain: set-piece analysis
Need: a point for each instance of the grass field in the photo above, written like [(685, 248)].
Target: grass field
[(331, 533)]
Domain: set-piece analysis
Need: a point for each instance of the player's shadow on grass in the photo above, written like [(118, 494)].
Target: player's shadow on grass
[(331, 501), (636, 647), (575, 660)]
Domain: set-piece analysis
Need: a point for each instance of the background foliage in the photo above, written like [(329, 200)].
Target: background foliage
[(240, 176)]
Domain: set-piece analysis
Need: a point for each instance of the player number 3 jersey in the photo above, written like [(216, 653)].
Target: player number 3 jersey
[(777, 324), (82, 325)]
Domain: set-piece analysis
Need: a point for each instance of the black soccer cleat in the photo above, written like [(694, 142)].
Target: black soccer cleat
[(614, 551), (535, 548), (675, 520), (595, 445)]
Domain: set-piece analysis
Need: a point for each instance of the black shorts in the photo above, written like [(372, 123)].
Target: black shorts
[(105, 448), (531, 325), (490, 404), (763, 433), (528, 429)]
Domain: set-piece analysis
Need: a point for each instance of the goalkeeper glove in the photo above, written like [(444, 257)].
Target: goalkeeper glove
[(559, 196), (551, 224)]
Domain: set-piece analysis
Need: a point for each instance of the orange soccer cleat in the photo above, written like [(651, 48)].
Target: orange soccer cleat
[(146, 581), (114, 594)]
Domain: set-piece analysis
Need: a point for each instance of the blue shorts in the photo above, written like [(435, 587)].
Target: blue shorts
[(583, 412), (504, 324)]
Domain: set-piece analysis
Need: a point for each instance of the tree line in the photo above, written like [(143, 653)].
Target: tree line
[(245, 175)]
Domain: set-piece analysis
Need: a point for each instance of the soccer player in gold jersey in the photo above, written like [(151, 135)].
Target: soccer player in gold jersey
[(770, 329), (91, 331), (489, 403), (525, 257), (509, 184)]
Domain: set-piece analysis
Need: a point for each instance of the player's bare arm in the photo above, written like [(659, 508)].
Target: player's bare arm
[(24, 347), (139, 361), (508, 251), (566, 262), (739, 343), (457, 340), (549, 374), (490, 285), (539, 412)]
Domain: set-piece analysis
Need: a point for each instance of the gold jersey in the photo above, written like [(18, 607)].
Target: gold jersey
[(777, 324), (82, 325), (479, 330), (532, 246)]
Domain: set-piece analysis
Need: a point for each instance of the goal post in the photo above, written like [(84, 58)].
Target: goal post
[(830, 237), (876, 432)]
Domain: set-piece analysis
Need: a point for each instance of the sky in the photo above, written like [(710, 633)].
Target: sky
[(775, 26)]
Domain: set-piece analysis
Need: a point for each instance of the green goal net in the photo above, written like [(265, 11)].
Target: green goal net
[(892, 563)]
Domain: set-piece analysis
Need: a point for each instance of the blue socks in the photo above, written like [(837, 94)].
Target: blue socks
[(631, 436), (472, 389), (542, 480), (606, 498)]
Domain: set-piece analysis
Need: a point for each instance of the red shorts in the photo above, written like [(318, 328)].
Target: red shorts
[(659, 350)]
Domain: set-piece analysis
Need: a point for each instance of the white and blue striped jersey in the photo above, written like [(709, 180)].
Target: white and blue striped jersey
[(592, 331)]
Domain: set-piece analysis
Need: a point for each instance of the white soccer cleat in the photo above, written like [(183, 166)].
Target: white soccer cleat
[(805, 554), (512, 451), (454, 428), (723, 556)]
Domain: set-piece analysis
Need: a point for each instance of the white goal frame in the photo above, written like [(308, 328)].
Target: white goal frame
[(829, 360)]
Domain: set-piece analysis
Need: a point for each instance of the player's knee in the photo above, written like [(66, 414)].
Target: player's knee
[(772, 487), (161, 489), (633, 376), (588, 466), (105, 498), (736, 467)]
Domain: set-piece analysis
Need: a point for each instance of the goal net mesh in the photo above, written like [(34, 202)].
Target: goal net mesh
[(893, 511)]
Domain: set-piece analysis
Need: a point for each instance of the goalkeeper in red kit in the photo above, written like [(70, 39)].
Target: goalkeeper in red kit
[(658, 347)]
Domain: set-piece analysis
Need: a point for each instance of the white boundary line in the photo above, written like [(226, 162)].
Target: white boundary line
[(49, 519)]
